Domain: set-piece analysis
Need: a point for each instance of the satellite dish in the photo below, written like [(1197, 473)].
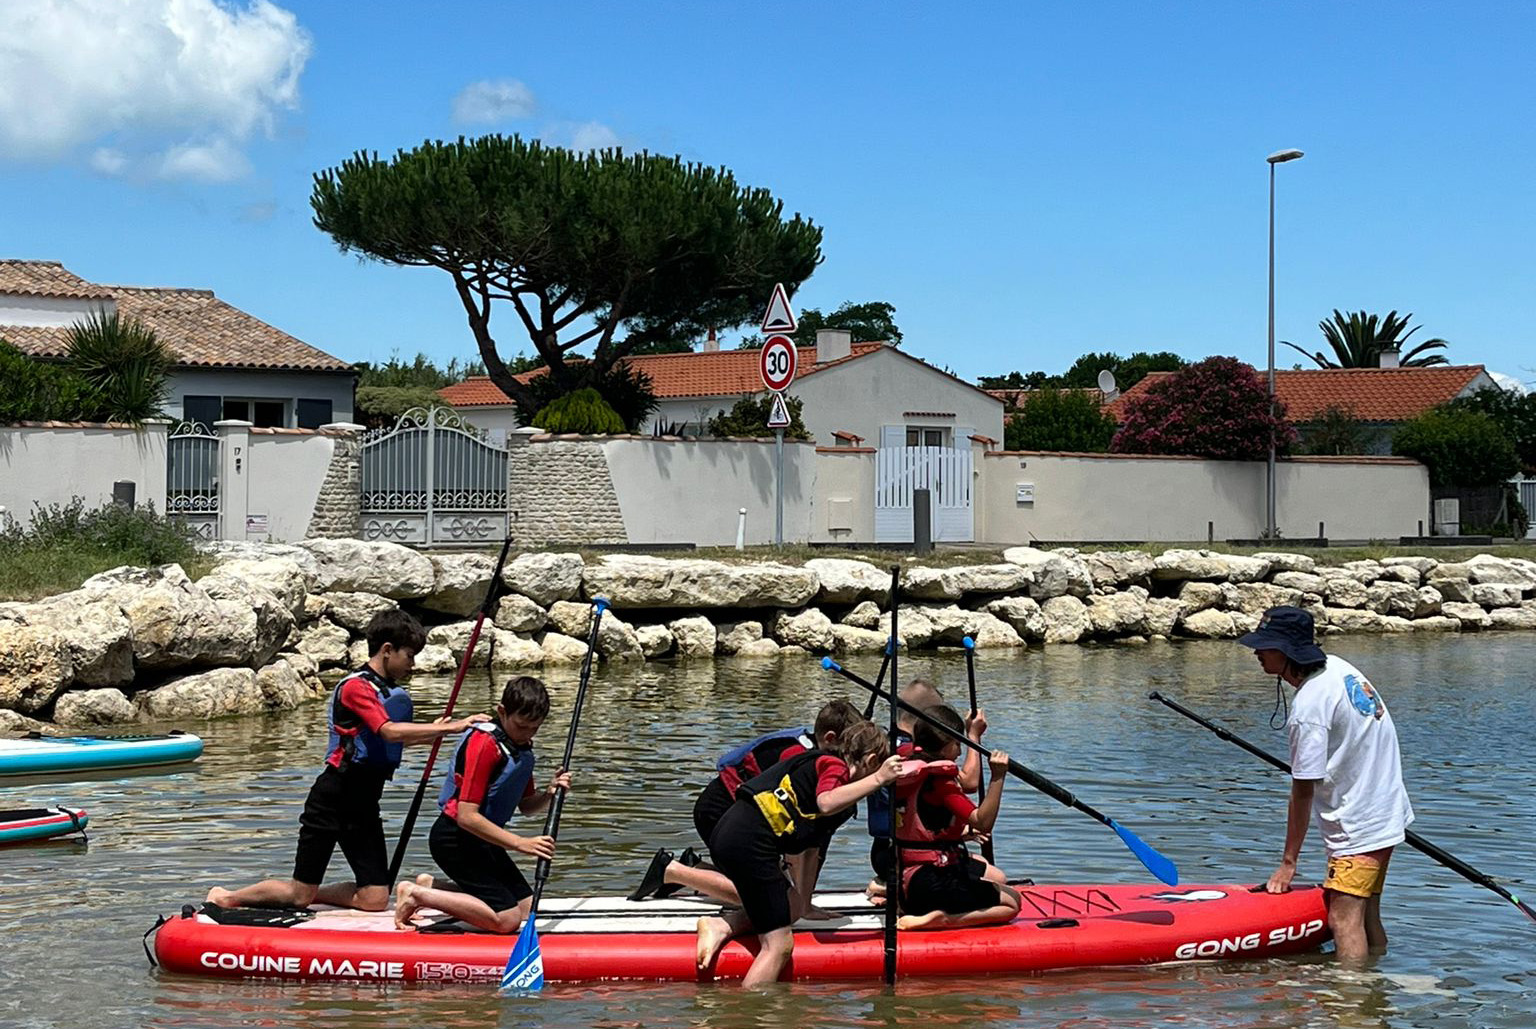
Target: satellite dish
[(1107, 384)]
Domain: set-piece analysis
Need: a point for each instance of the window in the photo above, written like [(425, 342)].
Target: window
[(311, 414), (917, 436), (203, 410), (264, 414)]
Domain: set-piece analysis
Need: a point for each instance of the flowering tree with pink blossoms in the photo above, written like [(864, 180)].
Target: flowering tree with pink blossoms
[(1218, 408)]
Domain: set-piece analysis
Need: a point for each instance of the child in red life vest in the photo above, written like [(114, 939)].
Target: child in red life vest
[(942, 885), (666, 876), (369, 717), (489, 778), (783, 817)]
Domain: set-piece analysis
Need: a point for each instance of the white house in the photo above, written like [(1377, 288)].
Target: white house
[(851, 391), (227, 363)]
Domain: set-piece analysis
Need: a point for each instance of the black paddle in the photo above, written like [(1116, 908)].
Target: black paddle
[(1412, 838), (981, 786), (492, 593), (885, 665), (893, 881), (1156, 863)]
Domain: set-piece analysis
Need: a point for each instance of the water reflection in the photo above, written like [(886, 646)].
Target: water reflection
[(1461, 959)]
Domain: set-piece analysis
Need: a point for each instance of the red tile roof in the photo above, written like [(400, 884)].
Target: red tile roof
[(47, 279), (714, 373), (1370, 394)]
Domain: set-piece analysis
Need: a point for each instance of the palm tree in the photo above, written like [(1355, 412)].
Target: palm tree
[(1359, 338), (125, 366)]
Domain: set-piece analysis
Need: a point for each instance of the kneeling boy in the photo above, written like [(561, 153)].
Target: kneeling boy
[(490, 777)]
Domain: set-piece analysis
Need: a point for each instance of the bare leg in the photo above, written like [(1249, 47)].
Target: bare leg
[(773, 953), (703, 880), (715, 931), (996, 875), (804, 870), (1346, 917), (410, 896), (1006, 908), (350, 895), (1375, 932), (268, 892)]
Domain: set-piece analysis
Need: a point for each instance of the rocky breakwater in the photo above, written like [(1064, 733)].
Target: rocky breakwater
[(261, 629)]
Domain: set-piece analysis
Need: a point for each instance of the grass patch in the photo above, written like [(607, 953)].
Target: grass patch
[(65, 544)]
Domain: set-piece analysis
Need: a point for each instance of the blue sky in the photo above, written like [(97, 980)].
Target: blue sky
[(1025, 182)]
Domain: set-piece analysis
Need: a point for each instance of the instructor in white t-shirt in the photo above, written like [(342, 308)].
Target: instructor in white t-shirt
[(1345, 770)]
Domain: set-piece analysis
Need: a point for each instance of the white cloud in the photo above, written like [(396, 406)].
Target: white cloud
[(170, 88), (1509, 382), (491, 101), (592, 136)]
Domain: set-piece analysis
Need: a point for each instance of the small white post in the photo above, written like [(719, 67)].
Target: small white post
[(741, 529)]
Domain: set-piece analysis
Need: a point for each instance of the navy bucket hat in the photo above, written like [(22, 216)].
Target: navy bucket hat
[(1288, 630)]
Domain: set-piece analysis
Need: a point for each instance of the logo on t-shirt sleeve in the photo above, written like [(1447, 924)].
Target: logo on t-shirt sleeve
[(1363, 695)]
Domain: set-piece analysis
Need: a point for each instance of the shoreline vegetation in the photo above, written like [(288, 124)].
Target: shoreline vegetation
[(238, 628)]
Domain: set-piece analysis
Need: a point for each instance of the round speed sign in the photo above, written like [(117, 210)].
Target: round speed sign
[(777, 362)]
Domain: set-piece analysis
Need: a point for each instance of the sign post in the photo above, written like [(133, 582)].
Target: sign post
[(777, 364)]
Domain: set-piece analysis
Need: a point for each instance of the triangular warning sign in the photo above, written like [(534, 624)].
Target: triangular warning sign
[(778, 415), (778, 317)]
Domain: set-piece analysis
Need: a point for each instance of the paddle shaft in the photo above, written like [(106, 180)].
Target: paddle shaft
[(491, 593), (893, 882), (981, 786), (557, 802), (1412, 838), (885, 666)]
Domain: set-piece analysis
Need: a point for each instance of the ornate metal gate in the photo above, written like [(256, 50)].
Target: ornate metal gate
[(192, 455), (433, 480)]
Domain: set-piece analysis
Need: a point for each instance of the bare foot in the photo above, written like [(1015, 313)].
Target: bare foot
[(816, 914), (714, 933), (425, 881), (221, 897), (405, 904), (931, 920)]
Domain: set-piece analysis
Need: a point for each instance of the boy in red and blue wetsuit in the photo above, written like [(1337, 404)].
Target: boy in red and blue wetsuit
[(369, 718), (666, 876), (489, 780)]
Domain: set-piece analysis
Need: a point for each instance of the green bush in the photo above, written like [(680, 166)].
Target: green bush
[(584, 412), (135, 535), (1460, 447), (749, 417), (127, 368), (379, 407), (1336, 431), (39, 391), (627, 391), (1059, 419)]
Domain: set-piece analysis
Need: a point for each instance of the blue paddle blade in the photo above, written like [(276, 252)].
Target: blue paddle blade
[(525, 966), (1158, 865)]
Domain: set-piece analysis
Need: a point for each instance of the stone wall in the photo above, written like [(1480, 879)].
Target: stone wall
[(338, 507), (561, 494), (259, 630)]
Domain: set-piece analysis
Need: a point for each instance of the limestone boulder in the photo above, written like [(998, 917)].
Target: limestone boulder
[(273, 619), (1254, 598), (616, 639), (435, 659), (357, 653), (1522, 617), (326, 642), (516, 613), (1455, 590), (991, 633), (95, 629), (1436, 623), (1344, 590), (1471, 616), (571, 619), (1050, 574), (314, 608), (954, 583), (849, 639), (864, 615), (283, 577), (1422, 565), (353, 611), (842, 581), (281, 685), (1428, 602), (223, 552), (1365, 572), (1485, 568), (544, 578), (176, 623), (1199, 596), (1496, 594), (636, 581), (917, 627), (1163, 614), (655, 640), (560, 649), (1449, 570), (1023, 614), (460, 583), (514, 651), (1391, 597), (693, 636), (1405, 574), (94, 707), (732, 636), (211, 694), (1208, 566), (1066, 619), (1119, 614), (759, 648), (13, 724), (1119, 568), (1209, 624), (1283, 562), (370, 566), (1352, 619), (1304, 581), (809, 628)]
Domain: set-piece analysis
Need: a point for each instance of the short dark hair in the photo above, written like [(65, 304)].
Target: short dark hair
[(834, 717), (525, 697), (394, 627), (930, 740), (862, 738)]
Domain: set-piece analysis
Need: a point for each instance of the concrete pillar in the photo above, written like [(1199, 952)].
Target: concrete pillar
[(234, 477)]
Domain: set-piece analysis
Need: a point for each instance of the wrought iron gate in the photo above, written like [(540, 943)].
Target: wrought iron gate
[(192, 456), (433, 480)]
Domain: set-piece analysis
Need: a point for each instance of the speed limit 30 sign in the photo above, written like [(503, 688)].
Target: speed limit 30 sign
[(777, 362)]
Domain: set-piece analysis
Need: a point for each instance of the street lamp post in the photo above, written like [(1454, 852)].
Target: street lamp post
[(1278, 157)]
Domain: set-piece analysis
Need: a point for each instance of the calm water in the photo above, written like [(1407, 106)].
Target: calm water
[(73, 915)]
